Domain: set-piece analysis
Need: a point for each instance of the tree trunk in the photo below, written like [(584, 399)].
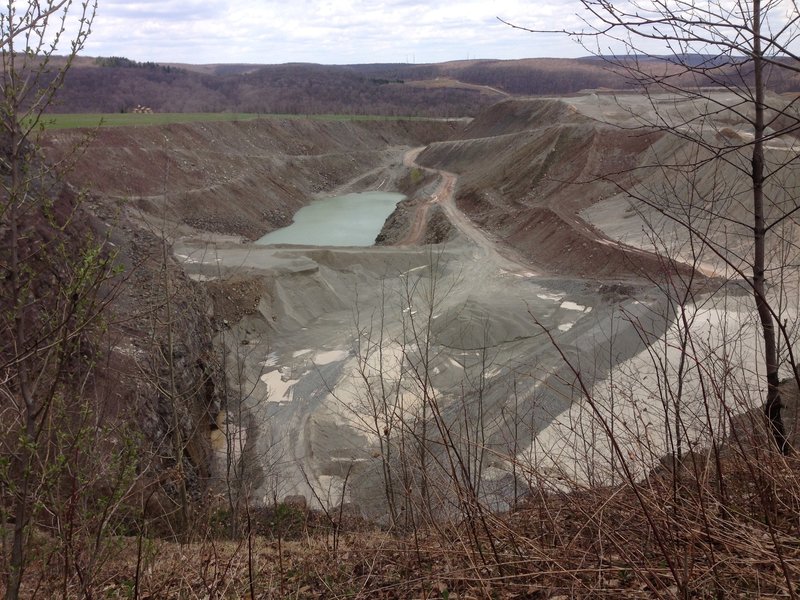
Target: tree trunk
[(773, 405)]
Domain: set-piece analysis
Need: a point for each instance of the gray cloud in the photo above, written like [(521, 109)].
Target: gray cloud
[(327, 31)]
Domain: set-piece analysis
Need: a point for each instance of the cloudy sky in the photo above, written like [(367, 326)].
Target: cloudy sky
[(328, 31)]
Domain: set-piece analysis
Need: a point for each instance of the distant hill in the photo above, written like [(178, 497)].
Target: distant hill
[(451, 89)]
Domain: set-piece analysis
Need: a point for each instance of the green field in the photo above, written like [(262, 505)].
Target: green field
[(71, 121)]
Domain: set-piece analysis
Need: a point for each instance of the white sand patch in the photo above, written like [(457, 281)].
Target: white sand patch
[(187, 259), (360, 392), (567, 305), (228, 441), (638, 401), (279, 387), (331, 356), (330, 490), (297, 353), (550, 297), (524, 274), (412, 270), (201, 277), (565, 326)]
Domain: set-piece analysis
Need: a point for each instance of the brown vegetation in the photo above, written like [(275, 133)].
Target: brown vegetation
[(452, 89), (729, 533)]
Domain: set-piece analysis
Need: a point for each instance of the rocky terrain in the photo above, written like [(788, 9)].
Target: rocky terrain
[(520, 340), (150, 185), (505, 235), (302, 340), (238, 178)]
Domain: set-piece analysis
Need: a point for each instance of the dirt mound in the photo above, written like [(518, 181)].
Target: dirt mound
[(436, 229), (515, 115), (234, 298), (419, 185), (541, 165), (572, 249)]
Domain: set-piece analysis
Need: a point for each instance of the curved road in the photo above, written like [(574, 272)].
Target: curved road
[(504, 257)]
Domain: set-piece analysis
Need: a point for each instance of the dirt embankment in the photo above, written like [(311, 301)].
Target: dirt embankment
[(417, 219), (527, 168), (238, 178)]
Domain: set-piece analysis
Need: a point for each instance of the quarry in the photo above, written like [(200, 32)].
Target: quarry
[(505, 328), (515, 275)]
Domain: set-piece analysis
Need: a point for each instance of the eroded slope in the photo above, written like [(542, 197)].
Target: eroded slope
[(528, 167), (239, 178)]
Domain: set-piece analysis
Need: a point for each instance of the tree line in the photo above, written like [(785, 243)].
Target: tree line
[(117, 84)]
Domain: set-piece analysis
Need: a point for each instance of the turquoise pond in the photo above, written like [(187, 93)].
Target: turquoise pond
[(349, 220)]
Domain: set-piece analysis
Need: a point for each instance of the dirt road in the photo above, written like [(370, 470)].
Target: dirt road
[(444, 190), (505, 258)]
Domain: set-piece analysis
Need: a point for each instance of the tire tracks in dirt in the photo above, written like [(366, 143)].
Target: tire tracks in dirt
[(506, 259)]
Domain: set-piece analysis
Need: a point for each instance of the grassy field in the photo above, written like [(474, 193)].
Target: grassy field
[(71, 121)]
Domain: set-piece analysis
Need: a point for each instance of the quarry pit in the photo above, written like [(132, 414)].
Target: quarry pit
[(514, 278)]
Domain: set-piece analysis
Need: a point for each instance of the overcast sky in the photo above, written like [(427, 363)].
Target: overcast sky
[(328, 31)]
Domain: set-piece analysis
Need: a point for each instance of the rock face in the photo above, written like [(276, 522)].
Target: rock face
[(131, 337), (163, 367)]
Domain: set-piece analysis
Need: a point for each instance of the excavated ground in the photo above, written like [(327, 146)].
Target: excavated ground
[(513, 253), (471, 312), (235, 178)]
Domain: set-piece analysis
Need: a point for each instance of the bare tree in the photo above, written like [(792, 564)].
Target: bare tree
[(57, 282)]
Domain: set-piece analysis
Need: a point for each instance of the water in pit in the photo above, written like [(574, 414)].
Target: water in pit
[(349, 220)]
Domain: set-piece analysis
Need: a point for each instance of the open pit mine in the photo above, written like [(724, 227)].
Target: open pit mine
[(519, 304)]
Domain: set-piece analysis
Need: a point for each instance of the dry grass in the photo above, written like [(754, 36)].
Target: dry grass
[(724, 525), (737, 539)]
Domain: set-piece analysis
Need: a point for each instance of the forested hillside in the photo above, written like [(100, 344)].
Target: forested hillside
[(453, 89)]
